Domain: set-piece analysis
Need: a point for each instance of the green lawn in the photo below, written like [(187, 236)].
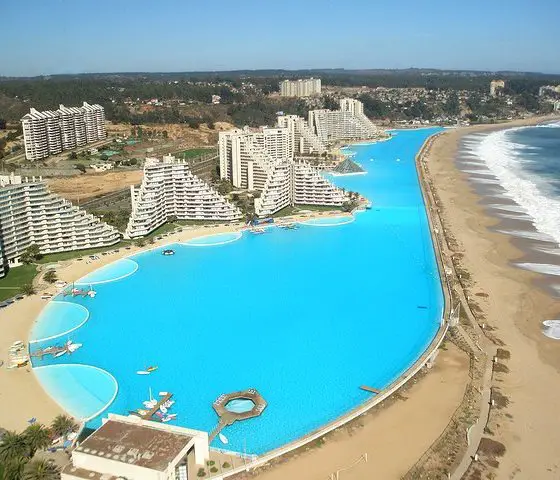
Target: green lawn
[(15, 278), (61, 256), (195, 152)]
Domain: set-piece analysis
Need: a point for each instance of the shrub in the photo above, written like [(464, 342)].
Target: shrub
[(50, 276), (210, 462), (201, 472), (226, 465), (213, 470)]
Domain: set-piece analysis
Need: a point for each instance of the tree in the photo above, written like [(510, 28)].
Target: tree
[(31, 254), (2, 124), (73, 156), (164, 134), (50, 276), (104, 157), (62, 425), (81, 167), (13, 469), (37, 437), (41, 470), (13, 446)]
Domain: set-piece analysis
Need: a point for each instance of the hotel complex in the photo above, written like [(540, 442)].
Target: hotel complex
[(169, 189), (50, 132), (347, 123), (31, 215), (300, 88)]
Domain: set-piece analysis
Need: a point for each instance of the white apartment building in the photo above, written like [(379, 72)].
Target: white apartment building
[(304, 140), (296, 183), (30, 214), (348, 123), (247, 156), (169, 189), (300, 88), (50, 132)]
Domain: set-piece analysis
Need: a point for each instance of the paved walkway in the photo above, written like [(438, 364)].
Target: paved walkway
[(481, 345)]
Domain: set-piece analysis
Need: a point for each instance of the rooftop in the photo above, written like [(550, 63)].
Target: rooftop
[(135, 444)]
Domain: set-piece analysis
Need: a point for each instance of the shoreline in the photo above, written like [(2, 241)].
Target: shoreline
[(506, 299)]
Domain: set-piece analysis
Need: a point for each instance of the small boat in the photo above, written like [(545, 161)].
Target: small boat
[(72, 347), (151, 369), (223, 438), (368, 206), (141, 411), (163, 409), (168, 418), (149, 403), (258, 230), (163, 394), (59, 354), (168, 251), (169, 403), (142, 372)]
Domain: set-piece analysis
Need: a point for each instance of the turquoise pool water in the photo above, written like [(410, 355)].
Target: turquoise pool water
[(305, 316), (240, 405), (111, 272), (57, 319)]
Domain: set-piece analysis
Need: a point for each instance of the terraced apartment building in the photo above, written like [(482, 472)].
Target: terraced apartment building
[(263, 160), (170, 190), (349, 123), (31, 215), (50, 132)]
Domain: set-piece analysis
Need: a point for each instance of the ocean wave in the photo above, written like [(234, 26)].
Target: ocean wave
[(507, 208), (543, 237), (546, 268), (551, 328), (500, 156)]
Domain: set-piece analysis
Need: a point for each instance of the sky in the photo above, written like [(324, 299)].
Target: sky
[(42, 37)]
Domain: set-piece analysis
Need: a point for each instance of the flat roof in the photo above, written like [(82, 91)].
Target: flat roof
[(135, 444)]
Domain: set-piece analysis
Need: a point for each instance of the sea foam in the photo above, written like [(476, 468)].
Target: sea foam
[(502, 158)]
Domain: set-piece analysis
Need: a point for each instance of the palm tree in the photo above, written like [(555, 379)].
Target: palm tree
[(13, 470), (13, 446), (62, 425), (27, 289), (41, 470), (37, 437)]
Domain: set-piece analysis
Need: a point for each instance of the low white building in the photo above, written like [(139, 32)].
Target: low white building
[(136, 449), (169, 189), (31, 215)]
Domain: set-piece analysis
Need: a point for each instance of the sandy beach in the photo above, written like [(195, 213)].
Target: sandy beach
[(513, 304)]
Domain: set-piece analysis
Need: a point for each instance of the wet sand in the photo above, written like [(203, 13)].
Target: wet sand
[(514, 302)]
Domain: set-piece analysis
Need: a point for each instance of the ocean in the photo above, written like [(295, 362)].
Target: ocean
[(517, 173)]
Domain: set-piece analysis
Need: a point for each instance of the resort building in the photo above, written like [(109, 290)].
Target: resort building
[(247, 156), (169, 189), (263, 160), (496, 87), (295, 182), (132, 448), (346, 124), (304, 140), (31, 215), (50, 132), (300, 88)]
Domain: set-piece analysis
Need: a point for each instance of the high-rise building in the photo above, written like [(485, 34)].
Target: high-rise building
[(496, 87), (304, 140), (50, 132), (348, 123), (293, 182), (263, 160), (300, 88), (169, 189), (30, 214), (246, 156)]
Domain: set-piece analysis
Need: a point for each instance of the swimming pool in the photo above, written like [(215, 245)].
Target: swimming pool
[(305, 316)]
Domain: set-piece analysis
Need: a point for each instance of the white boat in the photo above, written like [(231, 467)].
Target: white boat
[(163, 394), (169, 403), (149, 403), (142, 372), (223, 438), (73, 347), (59, 354)]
